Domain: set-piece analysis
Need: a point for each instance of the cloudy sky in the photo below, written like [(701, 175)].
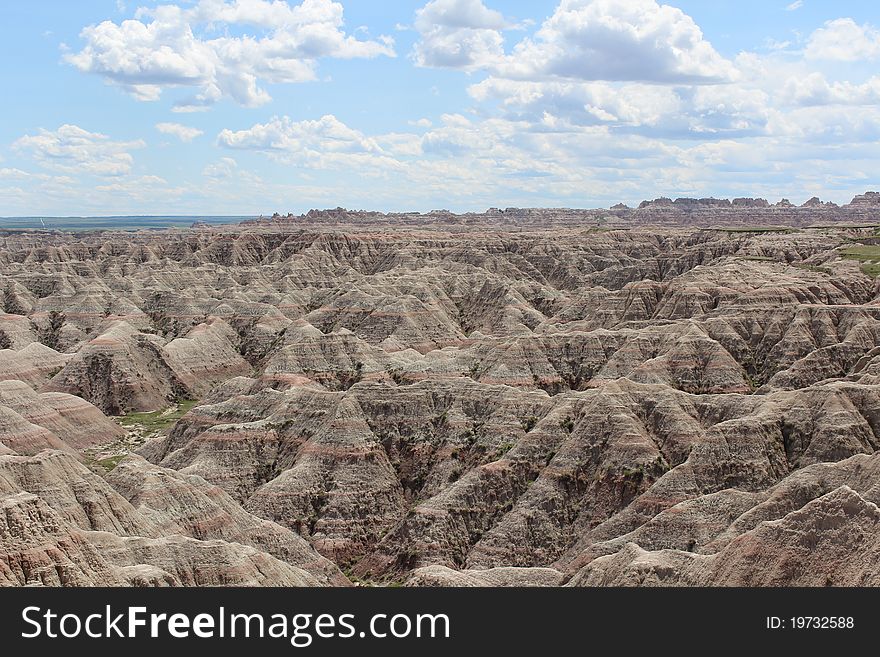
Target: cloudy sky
[(255, 106)]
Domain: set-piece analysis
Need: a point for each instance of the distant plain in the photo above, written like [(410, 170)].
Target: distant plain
[(114, 222)]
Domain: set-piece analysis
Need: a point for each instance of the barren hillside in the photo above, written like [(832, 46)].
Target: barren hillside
[(501, 399)]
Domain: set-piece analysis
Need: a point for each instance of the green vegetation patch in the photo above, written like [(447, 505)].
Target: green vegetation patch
[(869, 256), (813, 268), (758, 229), (159, 420), (111, 462)]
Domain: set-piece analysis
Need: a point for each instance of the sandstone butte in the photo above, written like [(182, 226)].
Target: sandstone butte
[(682, 393)]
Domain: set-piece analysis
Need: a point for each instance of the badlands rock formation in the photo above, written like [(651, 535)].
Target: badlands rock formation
[(685, 393)]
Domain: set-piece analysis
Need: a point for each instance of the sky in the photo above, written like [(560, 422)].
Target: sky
[(247, 107)]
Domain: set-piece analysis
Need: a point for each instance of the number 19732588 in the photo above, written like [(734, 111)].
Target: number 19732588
[(811, 623)]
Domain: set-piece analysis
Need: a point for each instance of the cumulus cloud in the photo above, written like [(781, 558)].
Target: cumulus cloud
[(325, 143), (172, 46), (458, 158), (616, 40), (844, 40), (697, 111), (463, 34), (548, 81), (815, 89), (608, 100), (183, 132), (282, 134), (224, 168), (579, 103), (471, 14), (72, 149), (609, 40), (794, 6)]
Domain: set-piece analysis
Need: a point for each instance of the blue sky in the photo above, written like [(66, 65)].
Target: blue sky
[(255, 106)]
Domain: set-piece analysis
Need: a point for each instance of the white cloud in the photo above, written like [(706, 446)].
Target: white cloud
[(675, 119), (587, 40), (608, 100), (613, 40), (11, 173), (171, 46), (183, 132), (471, 14), (704, 111), (797, 4), (224, 168), (776, 94), (844, 40), (814, 89), (325, 143), (580, 103), (463, 34), (72, 149), (774, 44), (461, 159), (41, 193), (400, 144), (281, 134), (138, 187), (737, 145)]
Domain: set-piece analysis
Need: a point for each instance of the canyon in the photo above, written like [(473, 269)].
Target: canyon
[(685, 393)]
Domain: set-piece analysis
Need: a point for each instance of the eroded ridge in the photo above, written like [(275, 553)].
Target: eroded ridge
[(533, 399)]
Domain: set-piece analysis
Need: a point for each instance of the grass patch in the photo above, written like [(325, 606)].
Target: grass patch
[(358, 581), (528, 423), (753, 385), (109, 463), (159, 420), (845, 227), (869, 256), (758, 258), (813, 268), (758, 229), (506, 446)]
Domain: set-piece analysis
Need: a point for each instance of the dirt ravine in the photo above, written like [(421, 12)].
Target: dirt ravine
[(537, 398)]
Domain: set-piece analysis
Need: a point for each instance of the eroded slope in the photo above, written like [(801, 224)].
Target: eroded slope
[(443, 403)]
